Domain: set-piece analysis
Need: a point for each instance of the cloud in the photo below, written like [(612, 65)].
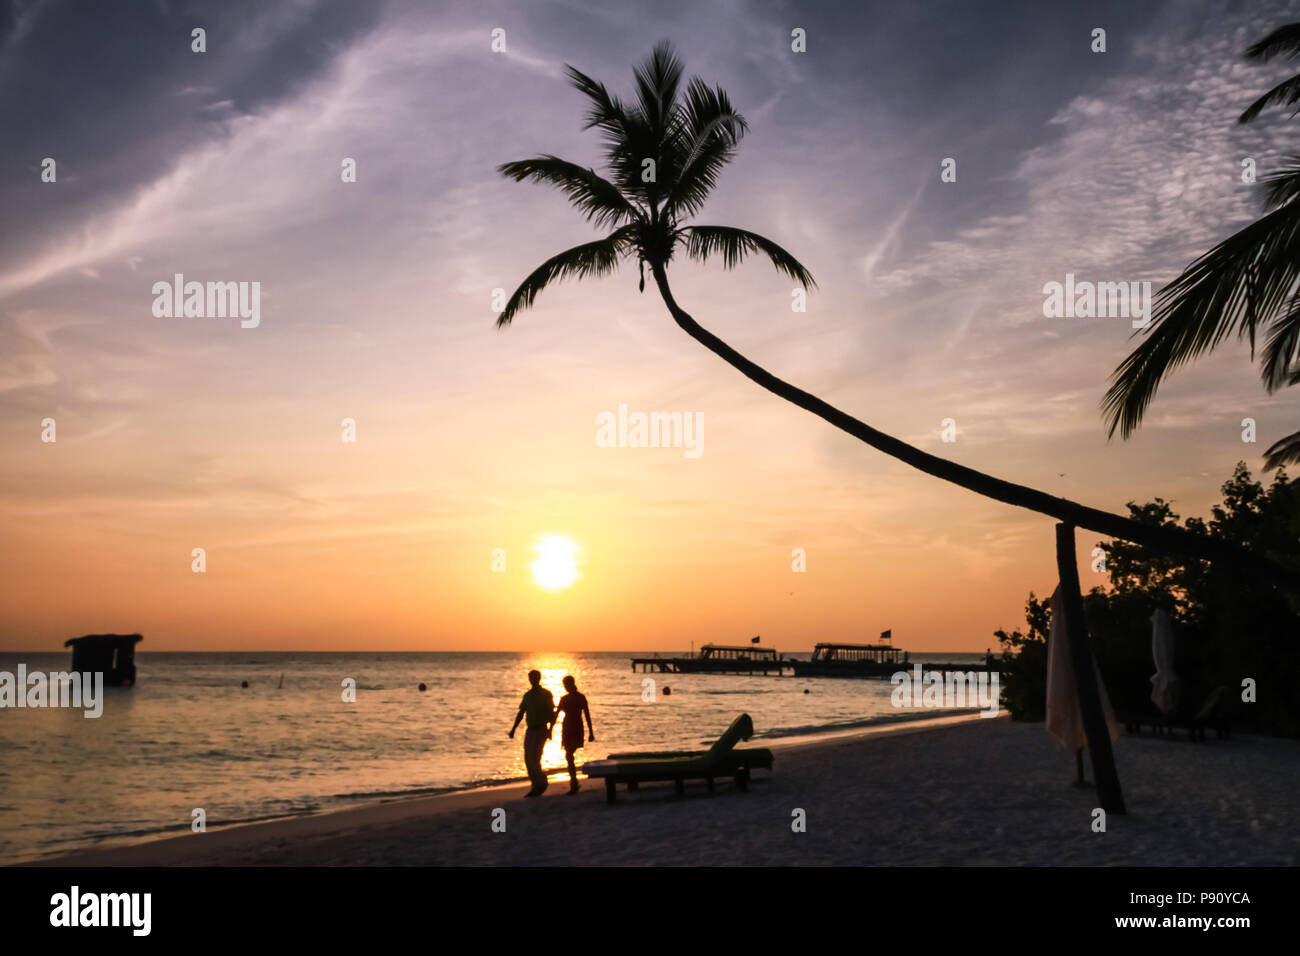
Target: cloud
[(26, 351), (891, 234), (1141, 176)]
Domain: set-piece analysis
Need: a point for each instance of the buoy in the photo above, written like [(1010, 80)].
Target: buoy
[(244, 684), (422, 687)]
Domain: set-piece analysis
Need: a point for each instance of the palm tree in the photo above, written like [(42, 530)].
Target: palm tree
[(1246, 283), (663, 154)]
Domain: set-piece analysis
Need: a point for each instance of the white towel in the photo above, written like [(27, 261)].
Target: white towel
[(1064, 718), (1164, 682)]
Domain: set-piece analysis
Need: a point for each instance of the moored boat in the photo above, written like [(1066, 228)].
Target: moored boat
[(851, 660), (730, 658), (718, 659)]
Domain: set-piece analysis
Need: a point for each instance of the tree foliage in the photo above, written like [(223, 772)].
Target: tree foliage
[(1229, 624)]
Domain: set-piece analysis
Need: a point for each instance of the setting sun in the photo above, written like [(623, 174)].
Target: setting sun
[(556, 565)]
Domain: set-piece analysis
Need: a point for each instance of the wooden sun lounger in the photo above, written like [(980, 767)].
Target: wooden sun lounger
[(1212, 714), (720, 760)]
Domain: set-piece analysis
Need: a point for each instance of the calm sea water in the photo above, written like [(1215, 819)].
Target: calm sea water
[(188, 736)]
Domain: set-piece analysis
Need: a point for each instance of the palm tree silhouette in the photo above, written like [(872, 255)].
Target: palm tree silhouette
[(663, 155), (1245, 283)]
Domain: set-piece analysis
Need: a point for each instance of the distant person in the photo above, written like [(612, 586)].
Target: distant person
[(538, 705), (988, 657), (574, 707)]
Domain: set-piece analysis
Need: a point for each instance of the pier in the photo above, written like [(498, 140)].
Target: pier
[(719, 659)]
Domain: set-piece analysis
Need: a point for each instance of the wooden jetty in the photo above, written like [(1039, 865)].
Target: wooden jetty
[(717, 659), (828, 660)]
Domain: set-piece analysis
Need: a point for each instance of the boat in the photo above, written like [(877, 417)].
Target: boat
[(851, 660), (717, 659), (733, 657)]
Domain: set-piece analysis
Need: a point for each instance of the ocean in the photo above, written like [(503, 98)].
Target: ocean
[(188, 736)]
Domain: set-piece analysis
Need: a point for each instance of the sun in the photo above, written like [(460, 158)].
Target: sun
[(556, 566)]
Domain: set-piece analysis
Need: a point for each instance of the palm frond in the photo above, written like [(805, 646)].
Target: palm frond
[(1282, 186), (1286, 93), (1283, 40), (617, 123), (1284, 451), (641, 143), (1280, 361), (657, 80), (627, 135), (606, 112), (590, 259), (734, 244), (1240, 283), (709, 131), (601, 201)]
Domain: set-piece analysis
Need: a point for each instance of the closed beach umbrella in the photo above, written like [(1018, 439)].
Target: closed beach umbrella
[(1064, 718), (1164, 682)]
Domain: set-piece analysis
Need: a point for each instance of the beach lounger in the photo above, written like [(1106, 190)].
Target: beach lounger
[(720, 760), (1213, 714)]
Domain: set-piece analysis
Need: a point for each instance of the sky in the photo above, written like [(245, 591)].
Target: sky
[(472, 443)]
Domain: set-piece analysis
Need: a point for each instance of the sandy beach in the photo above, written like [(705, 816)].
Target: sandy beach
[(962, 791)]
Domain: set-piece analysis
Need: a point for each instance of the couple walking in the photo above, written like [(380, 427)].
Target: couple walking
[(538, 706)]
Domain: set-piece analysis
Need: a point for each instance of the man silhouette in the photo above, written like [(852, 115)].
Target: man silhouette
[(538, 705)]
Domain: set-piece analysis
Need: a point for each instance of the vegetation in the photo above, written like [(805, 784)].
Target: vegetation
[(1230, 624)]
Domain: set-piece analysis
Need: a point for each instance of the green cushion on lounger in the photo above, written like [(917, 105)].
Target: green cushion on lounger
[(742, 728), (721, 759)]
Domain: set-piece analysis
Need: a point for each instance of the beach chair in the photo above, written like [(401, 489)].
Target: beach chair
[(1144, 715), (1213, 714), (720, 760)]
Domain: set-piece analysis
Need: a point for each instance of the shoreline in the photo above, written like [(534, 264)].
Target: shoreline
[(940, 792), (402, 805)]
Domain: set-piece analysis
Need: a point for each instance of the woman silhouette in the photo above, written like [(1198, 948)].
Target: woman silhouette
[(574, 707)]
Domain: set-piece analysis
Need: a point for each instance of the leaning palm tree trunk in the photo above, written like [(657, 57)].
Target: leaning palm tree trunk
[(1171, 539), (664, 152)]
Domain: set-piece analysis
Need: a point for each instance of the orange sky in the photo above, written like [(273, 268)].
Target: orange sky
[(312, 543)]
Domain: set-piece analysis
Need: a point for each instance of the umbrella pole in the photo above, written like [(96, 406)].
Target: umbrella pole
[(1094, 720)]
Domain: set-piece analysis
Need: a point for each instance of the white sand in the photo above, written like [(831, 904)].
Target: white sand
[(976, 791)]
